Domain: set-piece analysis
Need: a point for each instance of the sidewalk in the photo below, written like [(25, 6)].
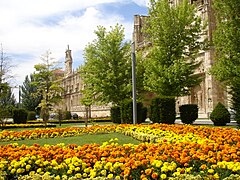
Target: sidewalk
[(206, 121)]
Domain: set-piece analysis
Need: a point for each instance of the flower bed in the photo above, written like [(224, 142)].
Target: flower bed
[(35, 125), (168, 152)]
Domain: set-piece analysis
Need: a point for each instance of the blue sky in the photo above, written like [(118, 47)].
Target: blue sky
[(28, 28)]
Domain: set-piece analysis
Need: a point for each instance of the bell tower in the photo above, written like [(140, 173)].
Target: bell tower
[(68, 62)]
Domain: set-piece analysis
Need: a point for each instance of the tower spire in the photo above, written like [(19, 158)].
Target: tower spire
[(68, 62)]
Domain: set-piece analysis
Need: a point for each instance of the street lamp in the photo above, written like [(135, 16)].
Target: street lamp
[(134, 83)]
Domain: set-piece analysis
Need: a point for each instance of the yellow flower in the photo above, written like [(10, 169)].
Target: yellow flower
[(28, 167), (57, 177), (19, 170), (39, 170), (216, 176), (117, 177), (163, 176), (104, 172), (110, 176), (211, 171), (69, 171), (78, 175), (13, 171), (77, 169)]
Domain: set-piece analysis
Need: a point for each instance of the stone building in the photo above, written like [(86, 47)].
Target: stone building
[(72, 84), (209, 92)]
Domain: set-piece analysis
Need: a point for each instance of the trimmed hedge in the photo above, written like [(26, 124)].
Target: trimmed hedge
[(220, 116), (31, 115), (163, 110), (126, 112), (188, 113), (115, 114), (67, 115), (20, 116)]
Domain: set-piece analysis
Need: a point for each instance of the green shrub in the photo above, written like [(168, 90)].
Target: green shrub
[(163, 110), (31, 115), (188, 113), (127, 112), (115, 114), (67, 115), (220, 116), (60, 115), (75, 116), (155, 110), (20, 116), (141, 113)]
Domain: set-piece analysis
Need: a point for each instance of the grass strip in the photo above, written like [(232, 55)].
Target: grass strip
[(79, 140)]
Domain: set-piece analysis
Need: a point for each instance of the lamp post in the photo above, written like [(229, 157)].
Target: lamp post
[(134, 83)]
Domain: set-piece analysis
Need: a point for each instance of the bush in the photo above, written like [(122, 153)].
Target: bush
[(220, 116), (75, 116), (31, 115), (115, 114), (163, 110), (127, 112), (60, 115), (188, 113), (67, 115), (141, 113), (20, 116)]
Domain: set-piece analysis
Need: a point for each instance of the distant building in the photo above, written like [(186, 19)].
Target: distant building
[(209, 92), (72, 84)]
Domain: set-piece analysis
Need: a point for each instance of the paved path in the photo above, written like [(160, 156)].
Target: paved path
[(206, 121)]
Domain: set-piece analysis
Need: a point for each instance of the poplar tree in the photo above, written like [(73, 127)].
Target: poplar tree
[(107, 66), (226, 39), (48, 83), (175, 33), (29, 95)]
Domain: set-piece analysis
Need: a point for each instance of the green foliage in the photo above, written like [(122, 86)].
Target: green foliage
[(163, 110), (235, 91), (75, 116), (226, 38), (108, 66), (20, 116), (220, 115), (67, 115), (188, 113), (174, 32), (7, 99), (60, 114), (227, 41), (31, 115), (141, 113), (127, 112), (48, 83), (116, 114), (29, 94)]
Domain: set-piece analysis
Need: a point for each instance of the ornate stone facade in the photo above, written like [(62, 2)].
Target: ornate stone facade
[(72, 84), (209, 92)]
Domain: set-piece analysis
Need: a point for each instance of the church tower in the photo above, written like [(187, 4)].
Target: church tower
[(68, 62)]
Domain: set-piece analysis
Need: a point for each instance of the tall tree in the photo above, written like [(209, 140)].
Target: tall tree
[(226, 67), (108, 65), (7, 99), (48, 83), (29, 95), (174, 32)]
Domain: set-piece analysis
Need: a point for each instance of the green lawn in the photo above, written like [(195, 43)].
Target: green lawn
[(79, 140)]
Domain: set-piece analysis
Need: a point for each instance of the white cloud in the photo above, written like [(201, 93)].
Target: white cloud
[(144, 3), (30, 27)]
